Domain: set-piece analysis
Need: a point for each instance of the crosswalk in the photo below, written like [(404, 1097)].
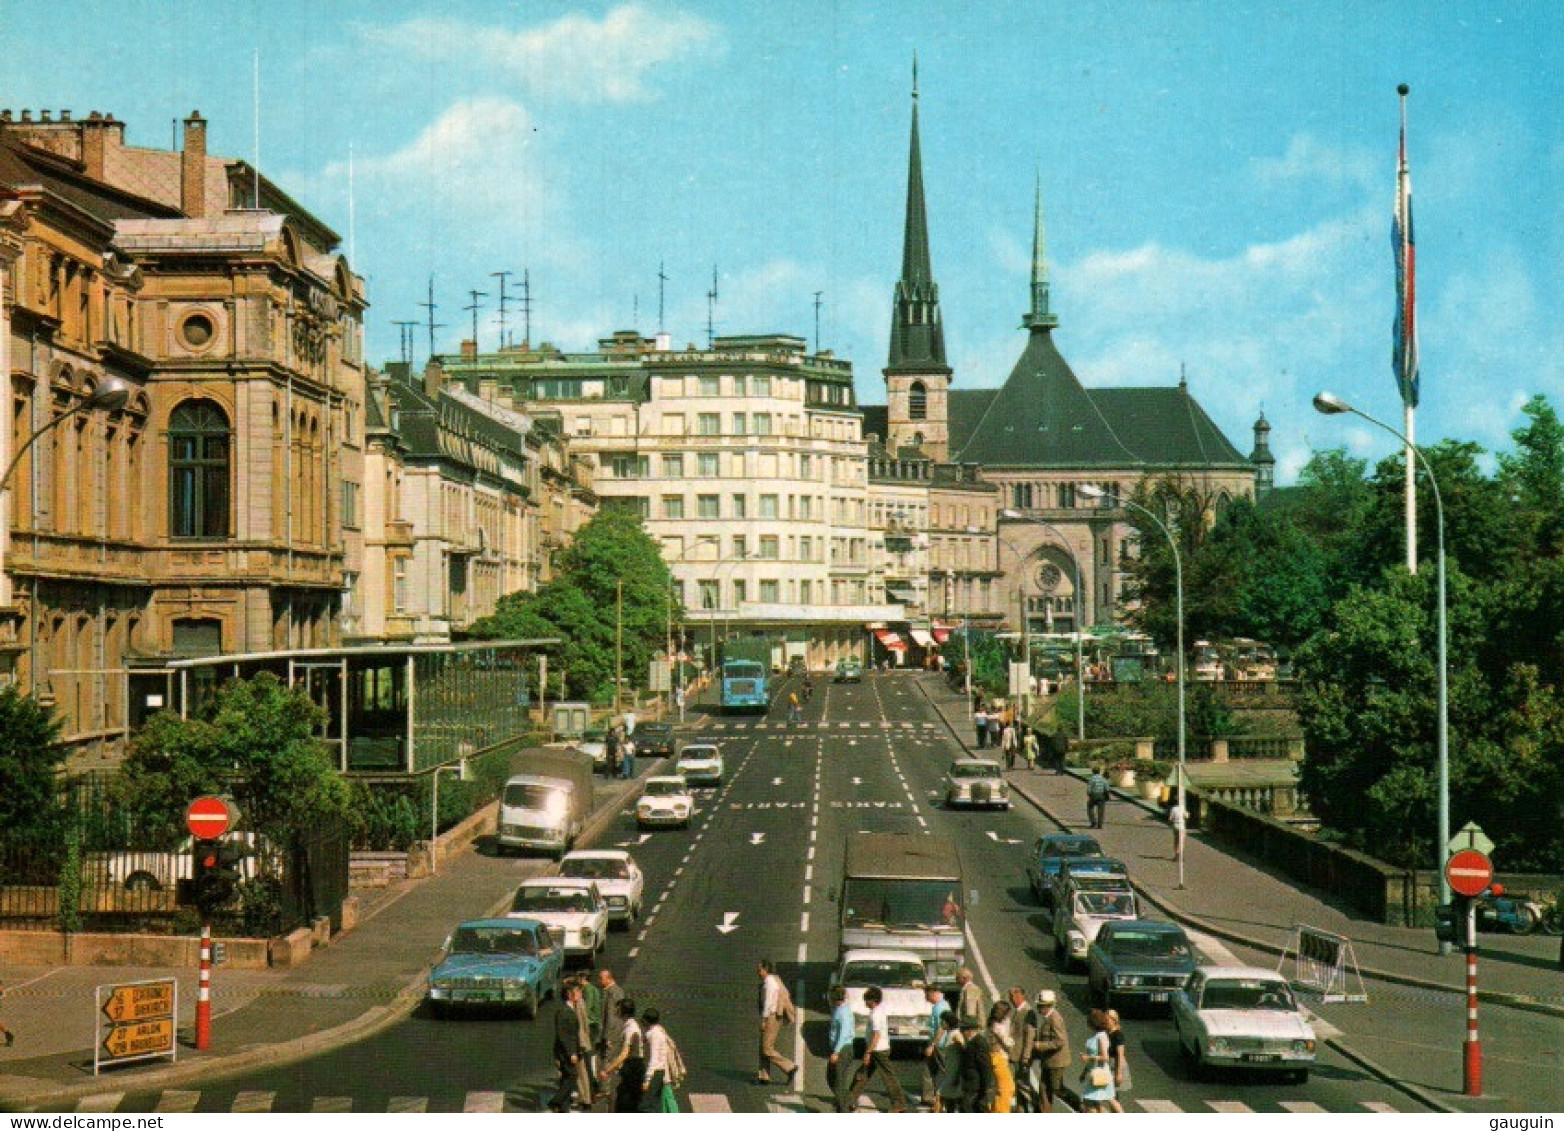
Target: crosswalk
[(493, 1102)]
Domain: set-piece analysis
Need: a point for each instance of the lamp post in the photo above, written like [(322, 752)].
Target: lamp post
[(1092, 491), (1080, 618), (1332, 405), (676, 655), (1026, 632)]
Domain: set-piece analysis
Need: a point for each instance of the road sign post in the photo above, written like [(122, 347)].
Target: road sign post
[(1470, 873), (208, 818)]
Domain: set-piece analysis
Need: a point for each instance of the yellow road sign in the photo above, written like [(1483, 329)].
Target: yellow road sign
[(141, 1001), (142, 1038)]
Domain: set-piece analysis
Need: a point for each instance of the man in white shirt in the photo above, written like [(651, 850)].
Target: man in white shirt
[(877, 1055), (1178, 819), (774, 1004), (658, 1062)]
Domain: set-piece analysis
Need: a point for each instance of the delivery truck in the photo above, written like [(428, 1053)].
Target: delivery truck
[(545, 802)]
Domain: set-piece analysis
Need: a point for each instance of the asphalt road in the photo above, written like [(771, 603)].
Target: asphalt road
[(755, 876)]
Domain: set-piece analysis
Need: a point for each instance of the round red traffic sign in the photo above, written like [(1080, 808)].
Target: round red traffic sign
[(1469, 872), (209, 818)]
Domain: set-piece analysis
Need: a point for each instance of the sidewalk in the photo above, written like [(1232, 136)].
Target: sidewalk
[(1239, 901), (366, 980)]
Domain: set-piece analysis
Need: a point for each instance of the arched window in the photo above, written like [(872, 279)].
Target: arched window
[(918, 401), (198, 440)]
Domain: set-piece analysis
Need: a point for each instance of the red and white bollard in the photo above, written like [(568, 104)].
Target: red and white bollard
[(204, 992), (1472, 1063)]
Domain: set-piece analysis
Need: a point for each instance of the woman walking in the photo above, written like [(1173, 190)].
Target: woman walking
[(1118, 1060), (1097, 1066), (1000, 1043), (947, 1088)]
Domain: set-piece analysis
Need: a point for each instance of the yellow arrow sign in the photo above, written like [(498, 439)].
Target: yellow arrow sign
[(140, 1002), (144, 1038)]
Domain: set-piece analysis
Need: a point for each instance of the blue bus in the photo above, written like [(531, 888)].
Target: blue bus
[(744, 686)]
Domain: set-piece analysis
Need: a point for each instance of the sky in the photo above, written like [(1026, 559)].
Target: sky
[(1217, 176)]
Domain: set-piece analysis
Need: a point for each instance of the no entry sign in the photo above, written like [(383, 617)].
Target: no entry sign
[(1469, 873), (209, 818)]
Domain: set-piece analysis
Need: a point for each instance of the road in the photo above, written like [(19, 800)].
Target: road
[(756, 876)]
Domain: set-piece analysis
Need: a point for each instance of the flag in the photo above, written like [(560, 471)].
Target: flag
[(1404, 351)]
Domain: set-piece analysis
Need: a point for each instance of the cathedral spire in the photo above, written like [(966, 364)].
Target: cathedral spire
[(917, 337), (1040, 317)]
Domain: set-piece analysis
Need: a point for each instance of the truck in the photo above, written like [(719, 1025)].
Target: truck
[(746, 668), (904, 891), (545, 801)]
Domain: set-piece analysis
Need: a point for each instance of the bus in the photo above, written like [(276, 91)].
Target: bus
[(745, 676)]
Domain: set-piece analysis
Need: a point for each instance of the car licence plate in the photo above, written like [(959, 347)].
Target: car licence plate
[(1158, 995), (1261, 1057)]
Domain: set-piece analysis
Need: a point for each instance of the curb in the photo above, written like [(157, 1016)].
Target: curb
[(367, 1024)]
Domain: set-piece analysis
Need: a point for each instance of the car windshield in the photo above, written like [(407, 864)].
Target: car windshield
[(697, 753), (1149, 944), (493, 940), (974, 770), (665, 789), (1105, 903), (883, 973), (901, 904), (520, 796), (742, 669), (1233, 994), (551, 899), (653, 730), (595, 868), (1079, 846)]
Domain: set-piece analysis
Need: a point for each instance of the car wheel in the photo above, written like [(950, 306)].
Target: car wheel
[(142, 882), (1301, 1076), (1527, 923), (529, 1007), (437, 1009)]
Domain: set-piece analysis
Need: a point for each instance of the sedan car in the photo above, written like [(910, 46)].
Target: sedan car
[(653, 740), (700, 763), (618, 879), (1089, 871), (665, 801), (1046, 856), (1079, 915), (1242, 1017), (1138, 960), (848, 671), (571, 909), (595, 744), (976, 781), (496, 962), (900, 976)]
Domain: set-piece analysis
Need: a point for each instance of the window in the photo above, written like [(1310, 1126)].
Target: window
[(918, 401), (806, 505), (1067, 495), (673, 506), (739, 424), (740, 592), (740, 506), (673, 467), (399, 585), (629, 466), (740, 546), (710, 387), (583, 426), (350, 504), (760, 386), (806, 549), (1021, 496), (768, 506), (762, 423), (805, 593), (708, 594), (768, 593), (638, 505), (707, 506), (768, 547), (673, 424), (707, 465), (806, 467), (198, 471), (709, 423)]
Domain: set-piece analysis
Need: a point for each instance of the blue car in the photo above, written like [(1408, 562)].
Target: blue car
[(1042, 866), (499, 963)]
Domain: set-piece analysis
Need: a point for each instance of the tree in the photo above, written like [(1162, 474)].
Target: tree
[(30, 760)]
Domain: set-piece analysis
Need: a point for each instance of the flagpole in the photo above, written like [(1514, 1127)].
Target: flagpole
[(1409, 414), (1406, 323)]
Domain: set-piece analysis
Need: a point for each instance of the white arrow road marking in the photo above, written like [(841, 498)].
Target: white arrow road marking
[(728, 924), (776, 781), (756, 838), (642, 839), (995, 837), (857, 781)]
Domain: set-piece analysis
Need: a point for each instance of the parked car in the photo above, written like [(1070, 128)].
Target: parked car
[(700, 763), (848, 671), (1042, 865), (152, 871), (619, 880), (1138, 960), (665, 801), (976, 782), (594, 743), (900, 976), (1242, 1017), (571, 909), (1095, 871), (653, 740), (496, 962), (1079, 915)]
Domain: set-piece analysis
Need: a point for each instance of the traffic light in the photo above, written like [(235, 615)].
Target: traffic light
[(216, 873)]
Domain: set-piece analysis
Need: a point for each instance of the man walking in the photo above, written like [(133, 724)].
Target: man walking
[(627, 758), (776, 1010), (1178, 819), (794, 714), (610, 1028), (629, 1061), (568, 1051), (971, 1001), (933, 1059), (839, 1068), (877, 1055), (1096, 798), (1051, 1052), (1022, 1036), (980, 724)]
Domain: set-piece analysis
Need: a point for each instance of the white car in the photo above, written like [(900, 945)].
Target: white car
[(571, 909), (1079, 915), (618, 879), (900, 976), (594, 744), (976, 781), (700, 763), (1242, 1017), (665, 801)]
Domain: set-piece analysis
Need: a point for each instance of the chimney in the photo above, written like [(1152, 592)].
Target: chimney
[(192, 168), (94, 140), (469, 348), (433, 377)]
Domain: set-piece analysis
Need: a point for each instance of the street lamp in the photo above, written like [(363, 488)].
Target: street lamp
[(1092, 491), (1026, 634), (1080, 619), (676, 656), (1332, 405), (110, 395)]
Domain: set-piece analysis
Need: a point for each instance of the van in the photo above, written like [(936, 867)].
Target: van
[(904, 891), (545, 802)]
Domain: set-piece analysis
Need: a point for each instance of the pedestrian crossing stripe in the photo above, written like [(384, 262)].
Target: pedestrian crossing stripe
[(332, 1104), (1379, 1106), (1158, 1105), (104, 1101), (253, 1102), (172, 1101), (1302, 1107), (407, 1105), (484, 1102), (712, 1103)]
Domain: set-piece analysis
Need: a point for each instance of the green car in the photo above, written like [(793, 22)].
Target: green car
[(849, 671)]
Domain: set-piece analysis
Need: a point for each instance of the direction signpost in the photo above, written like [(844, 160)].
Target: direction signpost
[(1469, 873), (135, 1021)]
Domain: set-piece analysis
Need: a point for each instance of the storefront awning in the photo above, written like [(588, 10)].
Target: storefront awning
[(921, 638), (941, 632), (889, 640), (900, 593)]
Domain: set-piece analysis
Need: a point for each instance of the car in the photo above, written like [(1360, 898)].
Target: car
[(665, 801), (1042, 865), (900, 976), (653, 740), (848, 671), (496, 962), (700, 763), (1242, 1017), (157, 871), (975, 782), (619, 880), (797, 665), (573, 911), (1093, 871), (1138, 960), (595, 744), (1079, 915)]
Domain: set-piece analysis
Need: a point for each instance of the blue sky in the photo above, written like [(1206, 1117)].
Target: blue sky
[(1217, 176)]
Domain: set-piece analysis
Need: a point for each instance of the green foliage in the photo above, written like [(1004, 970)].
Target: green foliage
[(70, 888), (30, 760)]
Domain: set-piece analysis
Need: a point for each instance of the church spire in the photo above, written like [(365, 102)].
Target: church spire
[(1040, 317), (917, 337)]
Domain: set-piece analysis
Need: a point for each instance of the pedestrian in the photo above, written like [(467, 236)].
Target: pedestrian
[(678, 698), (877, 1055), (1008, 743), (1179, 820), (971, 1001), (1022, 1036), (840, 1066), (610, 1030), (978, 1086), (1050, 1052), (1096, 798), (1029, 748), (776, 1010), (611, 745), (664, 1066), (627, 755), (10, 1037), (794, 714), (592, 1010), (1097, 1066), (1118, 1059), (568, 1051), (999, 1051), (948, 1087), (980, 724), (629, 1059), (928, 1077)]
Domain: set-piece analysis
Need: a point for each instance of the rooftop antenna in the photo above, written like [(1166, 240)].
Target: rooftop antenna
[(406, 333), (662, 283), (526, 306), (711, 309), (502, 276), (475, 306), (256, 165), (431, 307), (817, 320)]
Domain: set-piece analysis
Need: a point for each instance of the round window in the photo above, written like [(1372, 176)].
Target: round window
[(197, 331)]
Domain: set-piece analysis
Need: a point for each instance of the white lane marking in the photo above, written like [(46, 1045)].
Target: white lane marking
[(806, 895), (634, 950), (1232, 1107), (1379, 1106), (803, 953), (729, 922), (331, 1104), (809, 872), (803, 923), (977, 957), (1158, 1105), (1301, 1107), (702, 1103), (490, 1102), (104, 1101), (407, 1105)]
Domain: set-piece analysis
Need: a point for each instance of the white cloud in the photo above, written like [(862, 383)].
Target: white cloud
[(1308, 159), (574, 58)]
